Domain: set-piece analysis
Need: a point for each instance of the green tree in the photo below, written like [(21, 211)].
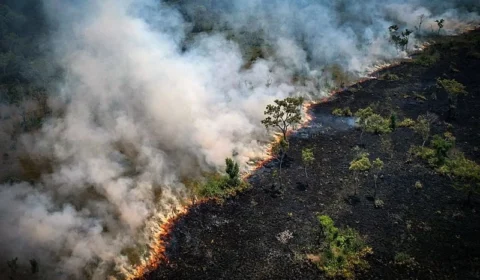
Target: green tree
[(377, 167), (393, 122), (233, 172), (360, 164), (422, 127), (442, 145), (279, 150), (307, 158), (283, 114)]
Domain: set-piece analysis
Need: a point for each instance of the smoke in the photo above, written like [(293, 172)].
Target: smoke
[(146, 100)]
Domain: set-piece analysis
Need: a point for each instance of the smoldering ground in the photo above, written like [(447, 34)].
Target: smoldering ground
[(154, 92)]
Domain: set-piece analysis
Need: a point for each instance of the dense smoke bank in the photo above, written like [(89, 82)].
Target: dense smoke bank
[(154, 92)]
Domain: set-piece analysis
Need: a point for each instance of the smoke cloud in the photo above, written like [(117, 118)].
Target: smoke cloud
[(148, 98)]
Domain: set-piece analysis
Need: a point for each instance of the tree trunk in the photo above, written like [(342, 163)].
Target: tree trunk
[(306, 176), (280, 168)]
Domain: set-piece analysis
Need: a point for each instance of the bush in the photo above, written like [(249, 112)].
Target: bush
[(344, 250), (364, 113), (378, 203), (418, 185), (345, 112), (406, 123), (377, 124), (389, 77), (452, 87), (404, 259), (427, 59), (442, 146)]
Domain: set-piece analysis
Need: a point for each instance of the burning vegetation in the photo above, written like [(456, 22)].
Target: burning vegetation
[(121, 121)]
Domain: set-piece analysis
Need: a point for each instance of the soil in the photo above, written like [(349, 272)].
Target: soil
[(237, 239)]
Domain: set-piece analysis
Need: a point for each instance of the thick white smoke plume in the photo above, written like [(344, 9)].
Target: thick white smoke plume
[(147, 101)]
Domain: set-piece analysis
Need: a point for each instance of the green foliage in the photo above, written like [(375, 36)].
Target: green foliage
[(406, 123), (344, 250), (360, 164), (377, 165), (404, 259), (418, 185), (426, 59), (284, 114), (442, 145), (307, 158), (390, 77), (377, 124), (452, 87), (233, 171), (422, 127), (465, 172), (393, 122), (345, 112), (378, 203), (364, 113), (216, 185)]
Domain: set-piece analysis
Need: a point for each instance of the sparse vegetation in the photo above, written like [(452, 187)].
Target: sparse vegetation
[(406, 123), (390, 77), (343, 251), (403, 258), (418, 185), (377, 167), (465, 172), (361, 163), (345, 112), (377, 124), (216, 185), (307, 158), (454, 89), (422, 127), (427, 59)]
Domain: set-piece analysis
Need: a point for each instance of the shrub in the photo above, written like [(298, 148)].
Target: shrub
[(393, 122), (442, 146), (390, 77), (406, 123), (364, 113), (427, 59), (344, 250), (465, 172), (404, 259), (377, 124), (452, 87), (418, 185), (379, 203), (345, 112)]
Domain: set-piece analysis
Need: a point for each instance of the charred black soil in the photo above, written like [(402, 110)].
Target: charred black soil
[(434, 225)]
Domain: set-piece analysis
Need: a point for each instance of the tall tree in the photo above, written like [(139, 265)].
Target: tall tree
[(284, 114)]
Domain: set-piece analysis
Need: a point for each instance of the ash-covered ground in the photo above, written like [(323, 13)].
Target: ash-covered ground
[(239, 238)]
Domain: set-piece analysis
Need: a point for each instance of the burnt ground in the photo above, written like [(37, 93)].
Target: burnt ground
[(237, 239)]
